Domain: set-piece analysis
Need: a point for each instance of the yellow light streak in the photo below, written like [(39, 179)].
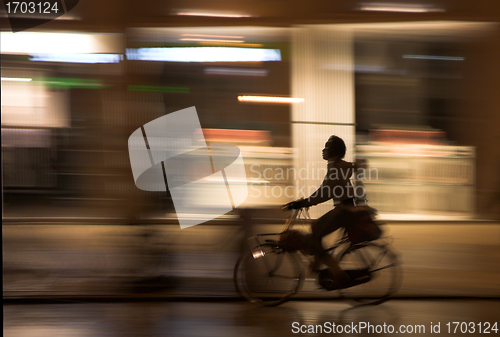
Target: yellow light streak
[(209, 40), (229, 44), (214, 36)]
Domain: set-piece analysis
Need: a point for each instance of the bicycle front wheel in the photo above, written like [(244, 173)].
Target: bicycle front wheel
[(268, 275), (384, 269)]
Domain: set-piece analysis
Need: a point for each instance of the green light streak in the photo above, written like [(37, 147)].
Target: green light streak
[(69, 83)]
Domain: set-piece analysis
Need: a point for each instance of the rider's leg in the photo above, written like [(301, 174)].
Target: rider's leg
[(339, 276), (325, 225)]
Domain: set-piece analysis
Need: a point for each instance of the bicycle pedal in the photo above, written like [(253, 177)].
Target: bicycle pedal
[(358, 276), (356, 282), (357, 273)]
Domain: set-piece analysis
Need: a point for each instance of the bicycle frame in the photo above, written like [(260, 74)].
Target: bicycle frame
[(301, 213), (288, 224)]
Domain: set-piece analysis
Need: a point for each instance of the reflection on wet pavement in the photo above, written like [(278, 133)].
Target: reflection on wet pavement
[(222, 319)]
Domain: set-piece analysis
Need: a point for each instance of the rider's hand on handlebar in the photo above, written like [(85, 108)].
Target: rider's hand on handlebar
[(295, 204)]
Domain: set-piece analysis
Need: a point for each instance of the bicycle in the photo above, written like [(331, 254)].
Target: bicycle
[(270, 274)]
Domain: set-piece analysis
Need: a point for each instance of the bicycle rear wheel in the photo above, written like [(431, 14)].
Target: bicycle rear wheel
[(268, 275), (383, 266)]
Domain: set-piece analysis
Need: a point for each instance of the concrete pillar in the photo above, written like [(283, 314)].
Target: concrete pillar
[(323, 75)]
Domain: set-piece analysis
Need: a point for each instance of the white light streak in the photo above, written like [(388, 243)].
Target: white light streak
[(204, 54), (77, 58), (364, 69), (16, 79), (270, 99), (401, 8), (432, 57), (58, 43), (236, 71)]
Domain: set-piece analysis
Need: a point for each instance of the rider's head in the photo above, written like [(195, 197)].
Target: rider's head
[(334, 148)]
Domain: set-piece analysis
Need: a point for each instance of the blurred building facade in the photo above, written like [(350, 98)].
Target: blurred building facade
[(356, 73)]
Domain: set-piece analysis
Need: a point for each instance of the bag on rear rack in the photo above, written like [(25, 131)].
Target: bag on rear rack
[(364, 227)]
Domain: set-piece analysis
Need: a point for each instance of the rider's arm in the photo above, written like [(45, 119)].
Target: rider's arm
[(322, 194), (338, 175)]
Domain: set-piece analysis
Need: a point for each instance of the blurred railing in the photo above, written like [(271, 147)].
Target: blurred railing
[(28, 158), (420, 178)]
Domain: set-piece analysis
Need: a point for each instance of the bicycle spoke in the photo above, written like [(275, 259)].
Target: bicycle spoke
[(286, 277), (384, 268), (371, 261), (269, 279)]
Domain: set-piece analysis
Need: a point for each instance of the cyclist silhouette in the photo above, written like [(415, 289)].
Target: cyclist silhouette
[(337, 186)]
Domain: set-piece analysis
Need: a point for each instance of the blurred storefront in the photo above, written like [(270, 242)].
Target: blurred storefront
[(276, 89)]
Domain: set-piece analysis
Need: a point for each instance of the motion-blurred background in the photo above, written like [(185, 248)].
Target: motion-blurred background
[(412, 87)]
